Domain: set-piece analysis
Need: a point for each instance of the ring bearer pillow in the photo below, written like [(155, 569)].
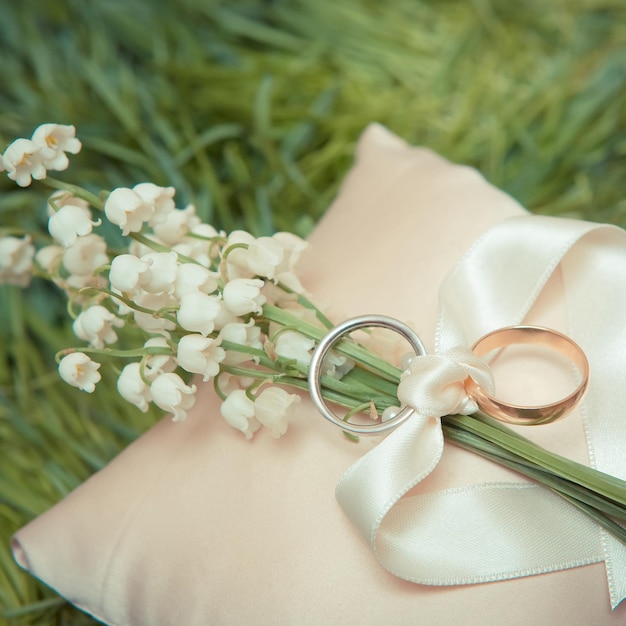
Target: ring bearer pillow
[(193, 524)]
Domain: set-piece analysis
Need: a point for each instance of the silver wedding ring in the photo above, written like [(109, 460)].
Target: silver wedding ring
[(334, 335)]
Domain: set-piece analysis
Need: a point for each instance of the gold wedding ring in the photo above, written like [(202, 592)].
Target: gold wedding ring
[(529, 335)]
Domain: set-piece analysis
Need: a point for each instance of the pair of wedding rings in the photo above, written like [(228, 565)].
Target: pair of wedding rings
[(496, 340)]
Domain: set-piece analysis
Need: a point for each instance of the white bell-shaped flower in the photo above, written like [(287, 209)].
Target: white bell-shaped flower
[(238, 411), (200, 355), (122, 308), (86, 255), (198, 311), (96, 325), (70, 222), (61, 198), (273, 407), (291, 344), (243, 334), (126, 209), (243, 296), (336, 365), (192, 277), (224, 317), (156, 364), (170, 393), (236, 250), (22, 161), (49, 258), (154, 322), (293, 246), (129, 274), (55, 140), (199, 245), (16, 260), (260, 257), (264, 256), (139, 249), (161, 199), (133, 388), (227, 383), (174, 225), (78, 370), (163, 271)]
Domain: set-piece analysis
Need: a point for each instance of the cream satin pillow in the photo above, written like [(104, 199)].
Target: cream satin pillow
[(194, 525)]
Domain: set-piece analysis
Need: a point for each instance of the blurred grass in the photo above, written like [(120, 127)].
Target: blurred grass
[(252, 110)]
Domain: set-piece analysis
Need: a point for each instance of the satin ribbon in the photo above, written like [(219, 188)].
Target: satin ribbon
[(497, 531)]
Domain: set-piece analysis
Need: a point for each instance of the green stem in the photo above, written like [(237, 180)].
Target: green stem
[(482, 446), (602, 511), (112, 352), (336, 397), (305, 302), (371, 381), (128, 302), (364, 357), (158, 247), (76, 191), (608, 486)]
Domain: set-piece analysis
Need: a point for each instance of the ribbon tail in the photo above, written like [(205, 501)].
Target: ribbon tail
[(469, 535), (595, 272), (375, 483), (485, 533)]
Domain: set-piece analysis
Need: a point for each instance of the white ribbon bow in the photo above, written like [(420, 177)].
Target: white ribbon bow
[(433, 383), (496, 531)]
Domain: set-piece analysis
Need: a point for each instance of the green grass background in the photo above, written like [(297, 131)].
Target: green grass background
[(252, 110)]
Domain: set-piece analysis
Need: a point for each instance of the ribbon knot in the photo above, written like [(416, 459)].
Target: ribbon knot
[(433, 384)]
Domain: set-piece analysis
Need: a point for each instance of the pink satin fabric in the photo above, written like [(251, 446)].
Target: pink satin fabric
[(192, 524)]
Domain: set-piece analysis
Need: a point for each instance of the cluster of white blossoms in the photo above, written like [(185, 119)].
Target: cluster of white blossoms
[(197, 294), (25, 159)]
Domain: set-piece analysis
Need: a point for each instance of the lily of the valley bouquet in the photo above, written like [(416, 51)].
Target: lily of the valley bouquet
[(184, 304)]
